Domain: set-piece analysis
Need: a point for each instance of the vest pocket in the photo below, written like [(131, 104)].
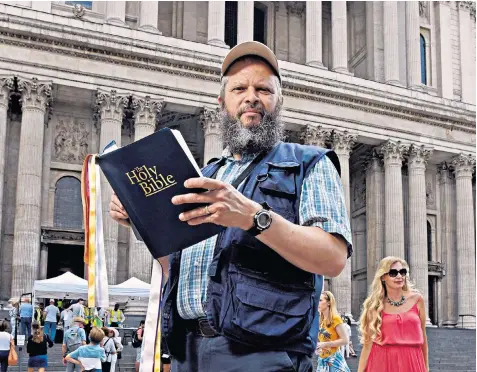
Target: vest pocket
[(267, 314)]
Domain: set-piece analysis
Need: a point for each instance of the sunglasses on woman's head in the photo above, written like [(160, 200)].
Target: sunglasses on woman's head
[(394, 272)]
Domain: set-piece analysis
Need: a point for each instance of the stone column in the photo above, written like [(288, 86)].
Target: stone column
[(374, 214), (111, 109), (339, 37), (314, 47), (148, 16), (26, 241), (6, 86), (394, 215), (216, 20), (413, 52), (448, 246), (145, 113), (467, 61), (391, 42), (43, 261), (444, 49), (116, 12), (316, 136), (245, 21), (418, 260), (343, 142), (213, 145), (464, 166)]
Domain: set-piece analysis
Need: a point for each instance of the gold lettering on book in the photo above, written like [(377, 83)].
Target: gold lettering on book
[(149, 180)]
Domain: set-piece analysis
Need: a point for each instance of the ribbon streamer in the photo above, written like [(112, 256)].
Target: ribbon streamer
[(94, 252)]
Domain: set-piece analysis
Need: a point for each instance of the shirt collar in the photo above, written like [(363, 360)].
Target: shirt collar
[(230, 158)]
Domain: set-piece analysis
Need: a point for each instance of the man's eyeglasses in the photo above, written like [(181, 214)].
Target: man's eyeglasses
[(393, 272)]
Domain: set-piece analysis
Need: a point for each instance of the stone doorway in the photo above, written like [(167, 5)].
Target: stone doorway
[(433, 315), (63, 258)]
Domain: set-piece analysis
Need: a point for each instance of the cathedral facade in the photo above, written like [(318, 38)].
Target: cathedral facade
[(390, 86)]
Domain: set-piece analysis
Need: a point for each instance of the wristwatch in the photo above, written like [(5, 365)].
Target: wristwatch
[(261, 221)]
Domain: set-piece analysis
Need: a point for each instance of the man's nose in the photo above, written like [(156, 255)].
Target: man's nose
[(251, 96)]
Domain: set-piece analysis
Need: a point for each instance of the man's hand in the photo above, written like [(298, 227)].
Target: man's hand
[(226, 206), (117, 211)]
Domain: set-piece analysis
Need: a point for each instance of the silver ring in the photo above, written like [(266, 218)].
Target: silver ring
[(207, 209)]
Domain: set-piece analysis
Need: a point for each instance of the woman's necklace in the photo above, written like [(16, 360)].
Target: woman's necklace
[(397, 303)]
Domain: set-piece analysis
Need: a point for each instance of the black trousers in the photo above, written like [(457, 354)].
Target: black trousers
[(219, 354)]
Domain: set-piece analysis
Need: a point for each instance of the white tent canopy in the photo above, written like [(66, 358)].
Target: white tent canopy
[(71, 286), (67, 285), (131, 288)]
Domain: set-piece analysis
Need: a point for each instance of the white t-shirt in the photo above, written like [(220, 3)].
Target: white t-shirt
[(51, 312), (77, 310), (5, 339)]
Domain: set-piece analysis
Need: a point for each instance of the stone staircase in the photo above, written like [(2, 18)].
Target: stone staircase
[(55, 363), (450, 350)]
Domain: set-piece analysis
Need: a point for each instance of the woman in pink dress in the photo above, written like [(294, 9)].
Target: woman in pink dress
[(393, 322)]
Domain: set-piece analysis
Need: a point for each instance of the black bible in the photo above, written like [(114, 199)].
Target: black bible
[(145, 175)]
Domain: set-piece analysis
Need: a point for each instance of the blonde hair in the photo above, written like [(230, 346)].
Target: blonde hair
[(371, 319), (96, 335), (37, 332), (330, 298)]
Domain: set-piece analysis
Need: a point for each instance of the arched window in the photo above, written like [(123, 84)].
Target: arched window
[(423, 61), (429, 242), (231, 11), (68, 212)]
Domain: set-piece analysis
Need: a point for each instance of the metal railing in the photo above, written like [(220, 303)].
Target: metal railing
[(464, 315)]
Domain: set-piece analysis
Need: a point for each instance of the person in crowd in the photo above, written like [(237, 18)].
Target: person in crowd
[(114, 333), (88, 317), (26, 315), (59, 304), (39, 313), (109, 348), (37, 346), (51, 318), (117, 316), (89, 357), (348, 350), (78, 308), (74, 338), (66, 318), (332, 335), (137, 343), (6, 341), (283, 209), (393, 322), (13, 314)]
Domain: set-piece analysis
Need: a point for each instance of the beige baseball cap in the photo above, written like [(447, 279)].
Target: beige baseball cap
[(251, 48)]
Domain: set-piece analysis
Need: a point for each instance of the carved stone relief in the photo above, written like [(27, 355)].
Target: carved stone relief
[(71, 141), (424, 10)]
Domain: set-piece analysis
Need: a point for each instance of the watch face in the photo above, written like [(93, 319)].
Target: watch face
[(263, 220)]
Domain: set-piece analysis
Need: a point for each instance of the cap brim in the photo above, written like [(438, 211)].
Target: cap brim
[(250, 48)]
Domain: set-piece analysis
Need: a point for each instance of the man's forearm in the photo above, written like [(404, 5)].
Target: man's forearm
[(307, 247)]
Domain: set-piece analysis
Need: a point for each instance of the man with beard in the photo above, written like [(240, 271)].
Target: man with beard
[(246, 299)]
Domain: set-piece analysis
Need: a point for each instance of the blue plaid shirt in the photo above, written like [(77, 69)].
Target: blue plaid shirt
[(322, 204)]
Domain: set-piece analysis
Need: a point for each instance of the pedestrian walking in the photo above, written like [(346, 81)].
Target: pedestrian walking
[(51, 318), (109, 349), (37, 349), (331, 336), (26, 315), (119, 348), (6, 341), (393, 322), (73, 339), (13, 314)]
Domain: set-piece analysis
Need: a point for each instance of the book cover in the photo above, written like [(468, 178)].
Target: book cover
[(145, 175)]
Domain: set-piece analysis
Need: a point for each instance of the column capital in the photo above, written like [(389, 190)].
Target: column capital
[(111, 104), (418, 156), (35, 94), (6, 86), (373, 161), (209, 120), (296, 7), (393, 152), (146, 109), (464, 165), (468, 6), (343, 142), (316, 136)]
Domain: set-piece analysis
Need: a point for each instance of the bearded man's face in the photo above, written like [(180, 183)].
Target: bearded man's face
[(250, 108)]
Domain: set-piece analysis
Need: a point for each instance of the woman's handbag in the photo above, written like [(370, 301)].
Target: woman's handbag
[(12, 356)]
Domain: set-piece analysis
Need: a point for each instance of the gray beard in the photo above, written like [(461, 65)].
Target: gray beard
[(257, 138)]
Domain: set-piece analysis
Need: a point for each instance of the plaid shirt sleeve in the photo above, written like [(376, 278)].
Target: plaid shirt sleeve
[(322, 202)]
